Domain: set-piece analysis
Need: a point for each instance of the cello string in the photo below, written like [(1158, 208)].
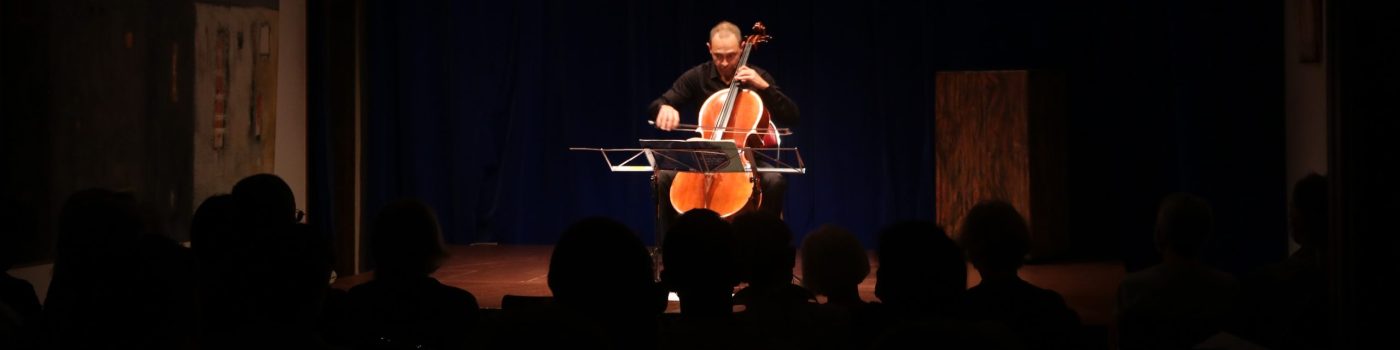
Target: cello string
[(693, 127)]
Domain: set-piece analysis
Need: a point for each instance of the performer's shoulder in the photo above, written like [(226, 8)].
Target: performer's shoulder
[(700, 68)]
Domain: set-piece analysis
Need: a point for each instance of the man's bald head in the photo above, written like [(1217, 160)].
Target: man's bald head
[(724, 31)]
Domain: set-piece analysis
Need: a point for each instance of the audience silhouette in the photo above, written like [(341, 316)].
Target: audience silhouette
[(921, 278), (211, 238), (834, 264), (922, 272), (283, 268), (1287, 304), (766, 261), (88, 305), (778, 313), (1179, 302), (404, 307), (256, 277), (601, 274), (997, 239), (700, 265)]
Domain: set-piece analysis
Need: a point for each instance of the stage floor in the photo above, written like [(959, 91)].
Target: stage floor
[(491, 272)]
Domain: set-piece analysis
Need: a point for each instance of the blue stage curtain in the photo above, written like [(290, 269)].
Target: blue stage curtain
[(472, 106)]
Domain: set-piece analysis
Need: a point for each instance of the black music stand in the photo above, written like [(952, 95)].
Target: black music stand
[(702, 156), (696, 155)]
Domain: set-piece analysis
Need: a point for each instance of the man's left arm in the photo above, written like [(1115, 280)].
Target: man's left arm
[(784, 110)]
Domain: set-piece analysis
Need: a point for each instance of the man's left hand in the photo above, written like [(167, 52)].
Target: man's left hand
[(752, 78)]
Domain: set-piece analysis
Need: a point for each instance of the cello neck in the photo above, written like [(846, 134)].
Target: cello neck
[(728, 110), (759, 36)]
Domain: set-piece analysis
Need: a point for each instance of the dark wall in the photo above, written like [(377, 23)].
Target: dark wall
[(99, 94), (472, 106), (1361, 54), (333, 50), (1182, 96), (24, 138)]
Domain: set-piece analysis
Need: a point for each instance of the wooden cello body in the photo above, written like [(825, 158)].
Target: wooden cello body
[(735, 114)]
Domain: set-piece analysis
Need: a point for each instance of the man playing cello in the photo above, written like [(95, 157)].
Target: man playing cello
[(697, 84)]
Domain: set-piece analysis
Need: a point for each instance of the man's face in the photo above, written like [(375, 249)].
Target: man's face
[(724, 49)]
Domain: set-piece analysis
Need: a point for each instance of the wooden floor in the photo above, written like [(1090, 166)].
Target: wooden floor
[(491, 272)]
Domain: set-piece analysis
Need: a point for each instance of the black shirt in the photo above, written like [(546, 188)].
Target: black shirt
[(698, 83), (412, 310)]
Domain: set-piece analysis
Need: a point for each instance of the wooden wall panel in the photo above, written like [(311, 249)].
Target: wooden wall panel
[(999, 135)]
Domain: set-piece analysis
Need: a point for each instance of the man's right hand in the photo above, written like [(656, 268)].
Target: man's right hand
[(667, 118)]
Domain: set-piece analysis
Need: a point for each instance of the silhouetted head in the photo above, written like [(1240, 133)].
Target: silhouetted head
[(406, 240), (112, 277), (1184, 222), (600, 264), (766, 255), (832, 260), (264, 201), (919, 264), (996, 237), (1308, 212), (211, 226), (698, 254)]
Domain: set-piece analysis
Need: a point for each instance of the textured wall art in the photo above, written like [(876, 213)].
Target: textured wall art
[(1000, 135), (235, 95)]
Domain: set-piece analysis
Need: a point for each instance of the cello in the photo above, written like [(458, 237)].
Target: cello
[(735, 114)]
